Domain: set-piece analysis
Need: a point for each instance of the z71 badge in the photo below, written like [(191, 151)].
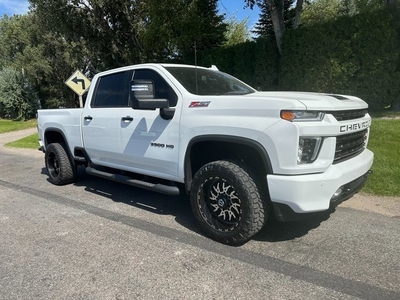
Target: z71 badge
[(199, 104), (355, 126)]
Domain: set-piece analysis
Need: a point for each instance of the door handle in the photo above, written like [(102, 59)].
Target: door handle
[(127, 119), (88, 118)]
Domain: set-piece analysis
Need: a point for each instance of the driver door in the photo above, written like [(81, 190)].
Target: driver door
[(149, 141)]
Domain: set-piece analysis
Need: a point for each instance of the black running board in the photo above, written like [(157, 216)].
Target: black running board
[(155, 187)]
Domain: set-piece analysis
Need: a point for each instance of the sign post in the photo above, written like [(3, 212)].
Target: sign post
[(79, 84)]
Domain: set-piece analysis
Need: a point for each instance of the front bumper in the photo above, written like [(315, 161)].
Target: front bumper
[(304, 194)]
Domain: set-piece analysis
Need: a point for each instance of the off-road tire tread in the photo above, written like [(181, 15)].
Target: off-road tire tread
[(255, 194), (67, 169)]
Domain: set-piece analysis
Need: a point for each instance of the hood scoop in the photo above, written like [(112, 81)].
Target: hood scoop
[(339, 97)]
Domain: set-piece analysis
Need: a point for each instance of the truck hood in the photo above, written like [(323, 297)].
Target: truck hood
[(315, 101)]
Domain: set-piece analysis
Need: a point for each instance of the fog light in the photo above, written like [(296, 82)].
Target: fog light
[(308, 150)]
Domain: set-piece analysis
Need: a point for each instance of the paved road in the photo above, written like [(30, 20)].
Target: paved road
[(102, 240)]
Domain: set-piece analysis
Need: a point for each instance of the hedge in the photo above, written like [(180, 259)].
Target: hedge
[(356, 55)]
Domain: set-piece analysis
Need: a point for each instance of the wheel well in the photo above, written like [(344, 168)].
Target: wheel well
[(250, 153), (56, 136), (53, 137)]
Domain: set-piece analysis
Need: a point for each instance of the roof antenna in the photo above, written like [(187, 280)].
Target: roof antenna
[(195, 63)]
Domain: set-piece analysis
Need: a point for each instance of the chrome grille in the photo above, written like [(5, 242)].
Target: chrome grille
[(348, 114), (349, 145)]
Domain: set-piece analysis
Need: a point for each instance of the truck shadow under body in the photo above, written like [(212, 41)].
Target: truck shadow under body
[(179, 207)]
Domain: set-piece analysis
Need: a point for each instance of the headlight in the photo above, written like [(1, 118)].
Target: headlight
[(302, 115), (308, 149)]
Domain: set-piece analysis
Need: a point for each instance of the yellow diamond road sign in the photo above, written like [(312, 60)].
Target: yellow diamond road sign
[(78, 83)]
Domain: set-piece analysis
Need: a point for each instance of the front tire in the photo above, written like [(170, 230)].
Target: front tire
[(59, 167), (227, 202)]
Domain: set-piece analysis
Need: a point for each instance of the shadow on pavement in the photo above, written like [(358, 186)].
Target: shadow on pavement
[(275, 231), (179, 207), (156, 203)]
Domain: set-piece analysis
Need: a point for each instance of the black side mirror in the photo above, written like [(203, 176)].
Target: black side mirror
[(142, 95)]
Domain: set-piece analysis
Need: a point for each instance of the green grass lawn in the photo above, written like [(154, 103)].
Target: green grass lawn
[(385, 143), (9, 125), (30, 142), (387, 114)]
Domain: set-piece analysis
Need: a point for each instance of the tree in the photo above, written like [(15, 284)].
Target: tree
[(171, 28), (118, 33), (324, 10), (276, 10), (237, 31), (46, 58), (17, 98), (327, 10), (22, 65), (264, 26), (299, 9), (107, 29), (21, 45)]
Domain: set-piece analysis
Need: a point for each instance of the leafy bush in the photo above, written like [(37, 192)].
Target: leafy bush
[(18, 101)]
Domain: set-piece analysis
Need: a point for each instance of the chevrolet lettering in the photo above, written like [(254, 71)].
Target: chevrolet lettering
[(355, 126)]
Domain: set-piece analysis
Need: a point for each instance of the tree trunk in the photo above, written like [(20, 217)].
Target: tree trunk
[(299, 8), (277, 15), (395, 106)]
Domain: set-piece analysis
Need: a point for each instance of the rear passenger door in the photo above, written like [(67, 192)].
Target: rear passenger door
[(102, 119)]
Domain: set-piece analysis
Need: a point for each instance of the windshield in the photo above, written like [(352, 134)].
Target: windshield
[(208, 82)]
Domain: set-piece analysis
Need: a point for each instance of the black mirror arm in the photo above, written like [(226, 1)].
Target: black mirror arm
[(167, 113)]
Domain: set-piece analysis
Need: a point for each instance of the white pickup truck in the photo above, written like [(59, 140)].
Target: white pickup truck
[(240, 154)]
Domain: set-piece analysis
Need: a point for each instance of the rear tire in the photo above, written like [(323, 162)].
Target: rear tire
[(59, 167), (227, 202)]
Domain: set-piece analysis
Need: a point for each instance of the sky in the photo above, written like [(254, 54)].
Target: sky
[(11, 7), (236, 8), (227, 7)]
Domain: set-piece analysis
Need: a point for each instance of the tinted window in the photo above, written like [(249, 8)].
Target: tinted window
[(113, 90), (162, 89), (209, 82)]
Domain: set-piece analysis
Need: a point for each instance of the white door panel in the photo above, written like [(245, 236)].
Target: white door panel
[(150, 142), (101, 134)]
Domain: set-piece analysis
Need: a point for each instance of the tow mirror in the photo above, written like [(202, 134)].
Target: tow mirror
[(142, 95)]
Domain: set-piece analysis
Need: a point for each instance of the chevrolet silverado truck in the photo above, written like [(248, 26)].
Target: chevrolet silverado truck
[(240, 154)]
